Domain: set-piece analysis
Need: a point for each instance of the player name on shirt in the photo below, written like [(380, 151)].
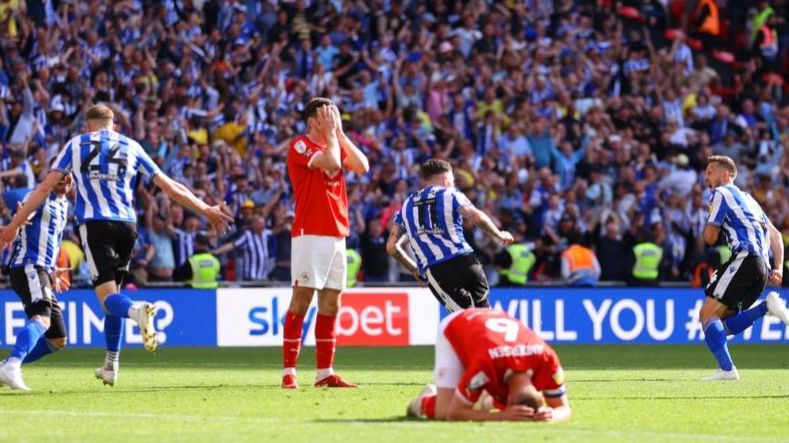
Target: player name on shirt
[(515, 351)]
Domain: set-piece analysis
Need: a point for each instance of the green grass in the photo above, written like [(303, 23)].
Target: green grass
[(618, 393)]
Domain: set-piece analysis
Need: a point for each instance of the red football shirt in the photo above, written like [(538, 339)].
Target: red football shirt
[(321, 197), (491, 345)]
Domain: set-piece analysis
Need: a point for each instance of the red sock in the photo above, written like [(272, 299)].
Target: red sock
[(325, 341), (428, 406), (291, 340)]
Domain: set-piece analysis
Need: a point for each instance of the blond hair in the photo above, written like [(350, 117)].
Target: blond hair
[(100, 113), (725, 162)]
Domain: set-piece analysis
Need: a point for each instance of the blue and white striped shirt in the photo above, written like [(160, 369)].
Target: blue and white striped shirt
[(741, 219), (39, 242), (257, 254), (105, 165), (432, 219)]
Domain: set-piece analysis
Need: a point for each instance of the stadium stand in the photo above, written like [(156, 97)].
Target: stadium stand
[(564, 119)]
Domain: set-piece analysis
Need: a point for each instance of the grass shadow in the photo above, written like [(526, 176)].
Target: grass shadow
[(397, 419)]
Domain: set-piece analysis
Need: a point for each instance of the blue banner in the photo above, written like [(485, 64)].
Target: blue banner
[(190, 317), (621, 315), (186, 317)]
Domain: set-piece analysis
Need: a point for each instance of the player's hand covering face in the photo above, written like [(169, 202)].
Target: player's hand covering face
[(326, 121)]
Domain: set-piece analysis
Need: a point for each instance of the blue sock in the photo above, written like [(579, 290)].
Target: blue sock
[(715, 337), (42, 348), (118, 305), (113, 332), (737, 323), (27, 338)]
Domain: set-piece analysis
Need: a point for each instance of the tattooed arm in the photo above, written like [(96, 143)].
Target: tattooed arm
[(482, 220), (394, 247)]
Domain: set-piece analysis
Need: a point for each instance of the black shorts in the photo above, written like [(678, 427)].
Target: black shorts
[(32, 285), (108, 246), (459, 283), (739, 282)]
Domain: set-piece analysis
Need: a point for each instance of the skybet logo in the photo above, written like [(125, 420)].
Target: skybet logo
[(247, 317), (372, 319)]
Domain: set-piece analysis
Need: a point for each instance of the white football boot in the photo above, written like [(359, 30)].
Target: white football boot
[(108, 374), (11, 375), (143, 315), (776, 307), (721, 375)]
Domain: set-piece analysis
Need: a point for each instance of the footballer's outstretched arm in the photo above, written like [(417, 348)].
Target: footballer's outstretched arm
[(216, 215), (9, 232), (481, 219)]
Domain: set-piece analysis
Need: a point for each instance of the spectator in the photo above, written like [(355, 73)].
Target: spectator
[(613, 249), (580, 267), (256, 246), (161, 266), (375, 260), (201, 269), (214, 94)]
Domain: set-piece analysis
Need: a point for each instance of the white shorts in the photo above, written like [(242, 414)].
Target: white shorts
[(318, 261), (448, 367)]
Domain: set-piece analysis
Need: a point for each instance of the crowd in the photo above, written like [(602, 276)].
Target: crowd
[(572, 122)]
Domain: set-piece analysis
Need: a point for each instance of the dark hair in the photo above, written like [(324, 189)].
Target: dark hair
[(433, 167), (528, 397), (311, 108)]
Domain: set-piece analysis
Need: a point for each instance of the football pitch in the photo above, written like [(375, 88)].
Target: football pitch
[(618, 393)]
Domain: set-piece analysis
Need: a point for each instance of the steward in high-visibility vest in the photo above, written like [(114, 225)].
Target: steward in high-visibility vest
[(647, 262), (769, 42), (354, 264), (523, 260), (724, 253), (580, 266), (201, 271)]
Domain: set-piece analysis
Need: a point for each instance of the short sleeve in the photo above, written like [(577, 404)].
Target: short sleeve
[(301, 154), (63, 160), (397, 220), (471, 385), (550, 378), (460, 199), (145, 164), (717, 209)]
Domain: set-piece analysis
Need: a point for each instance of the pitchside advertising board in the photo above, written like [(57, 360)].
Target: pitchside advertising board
[(395, 317)]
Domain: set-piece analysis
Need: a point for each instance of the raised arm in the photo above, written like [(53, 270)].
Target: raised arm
[(330, 158), (355, 158)]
